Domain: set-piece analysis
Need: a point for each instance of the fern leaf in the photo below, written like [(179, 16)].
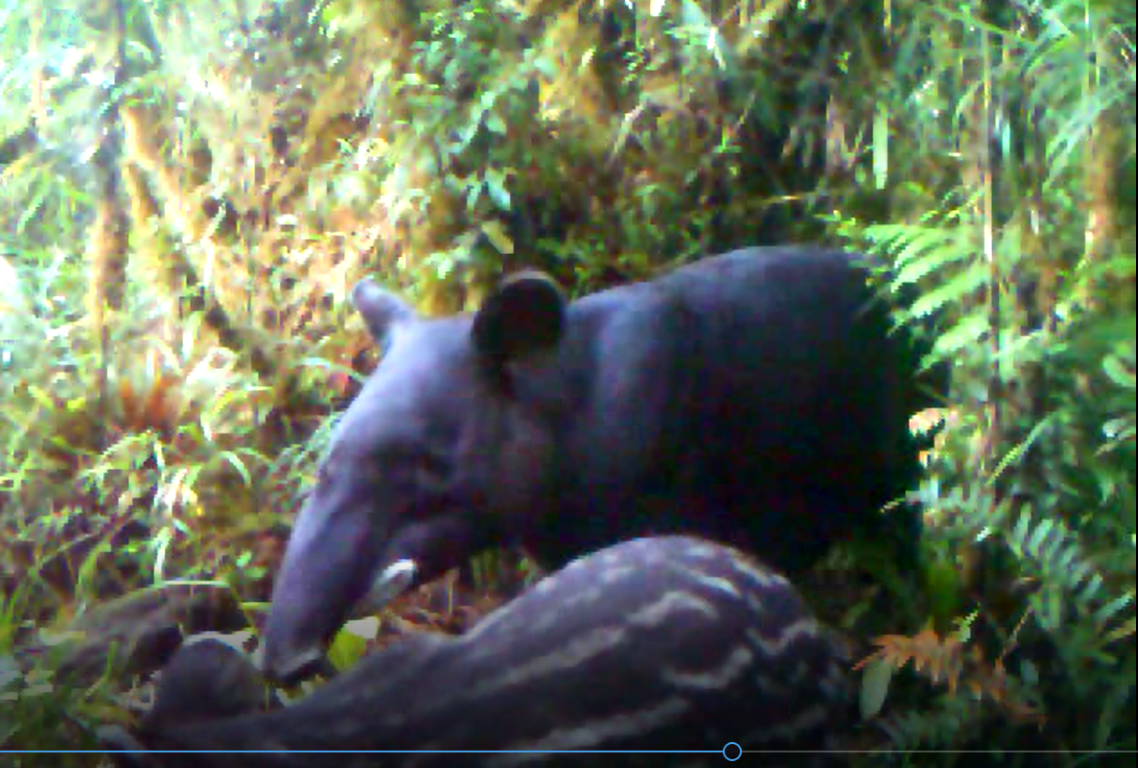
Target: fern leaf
[(964, 333), (939, 251), (955, 290)]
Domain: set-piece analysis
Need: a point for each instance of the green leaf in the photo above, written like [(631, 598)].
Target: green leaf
[(875, 687), (1105, 613), (350, 643), (235, 461), (944, 590), (496, 187), (496, 233), (926, 253), (965, 333), (956, 290), (1029, 673), (1118, 373), (546, 67), (495, 123), (9, 671), (1040, 533), (41, 397), (881, 146)]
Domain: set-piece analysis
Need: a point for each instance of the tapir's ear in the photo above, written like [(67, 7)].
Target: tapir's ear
[(381, 309), (523, 316)]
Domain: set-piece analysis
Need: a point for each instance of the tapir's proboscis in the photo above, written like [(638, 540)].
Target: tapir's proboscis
[(732, 398)]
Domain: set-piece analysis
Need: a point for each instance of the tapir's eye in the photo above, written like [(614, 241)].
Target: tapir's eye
[(430, 471)]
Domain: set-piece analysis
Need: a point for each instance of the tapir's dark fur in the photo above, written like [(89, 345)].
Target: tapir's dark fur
[(732, 397)]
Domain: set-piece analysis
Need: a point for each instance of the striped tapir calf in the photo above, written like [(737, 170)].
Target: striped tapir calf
[(670, 643)]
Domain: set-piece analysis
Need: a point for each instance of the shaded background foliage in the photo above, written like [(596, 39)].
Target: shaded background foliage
[(189, 190)]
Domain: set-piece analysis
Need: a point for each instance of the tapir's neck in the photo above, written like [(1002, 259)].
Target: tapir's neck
[(623, 377)]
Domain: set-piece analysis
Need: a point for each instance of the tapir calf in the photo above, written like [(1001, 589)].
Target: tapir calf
[(757, 398), (660, 643)]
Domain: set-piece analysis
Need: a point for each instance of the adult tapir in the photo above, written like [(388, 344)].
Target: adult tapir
[(732, 398)]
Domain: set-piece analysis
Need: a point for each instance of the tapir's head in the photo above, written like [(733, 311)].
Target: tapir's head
[(447, 440)]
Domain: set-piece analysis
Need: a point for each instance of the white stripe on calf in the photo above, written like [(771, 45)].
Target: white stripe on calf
[(776, 646), (575, 652), (665, 609), (717, 583), (736, 663), (764, 578), (595, 733)]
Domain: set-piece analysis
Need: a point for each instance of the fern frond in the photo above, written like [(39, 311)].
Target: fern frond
[(943, 658), (966, 331), (948, 660), (1068, 579), (954, 291), (948, 723)]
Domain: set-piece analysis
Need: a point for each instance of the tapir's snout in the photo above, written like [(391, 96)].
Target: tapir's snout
[(330, 562), (344, 555), (289, 666), (300, 655)]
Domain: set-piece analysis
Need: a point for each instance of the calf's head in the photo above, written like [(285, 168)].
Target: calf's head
[(442, 445)]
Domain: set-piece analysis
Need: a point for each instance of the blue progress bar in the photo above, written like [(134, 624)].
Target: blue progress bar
[(731, 752)]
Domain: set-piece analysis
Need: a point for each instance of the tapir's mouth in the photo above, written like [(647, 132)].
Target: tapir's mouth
[(304, 666), (322, 591)]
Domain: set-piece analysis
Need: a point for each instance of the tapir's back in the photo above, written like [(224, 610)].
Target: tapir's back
[(764, 379)]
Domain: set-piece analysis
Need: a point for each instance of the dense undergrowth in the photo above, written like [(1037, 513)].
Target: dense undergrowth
[(174, 333)]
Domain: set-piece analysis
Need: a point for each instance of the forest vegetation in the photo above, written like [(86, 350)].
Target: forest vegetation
[(188, 192)]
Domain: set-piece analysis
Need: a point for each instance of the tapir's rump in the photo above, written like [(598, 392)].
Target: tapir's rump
[(758, 398), (666, 643)]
